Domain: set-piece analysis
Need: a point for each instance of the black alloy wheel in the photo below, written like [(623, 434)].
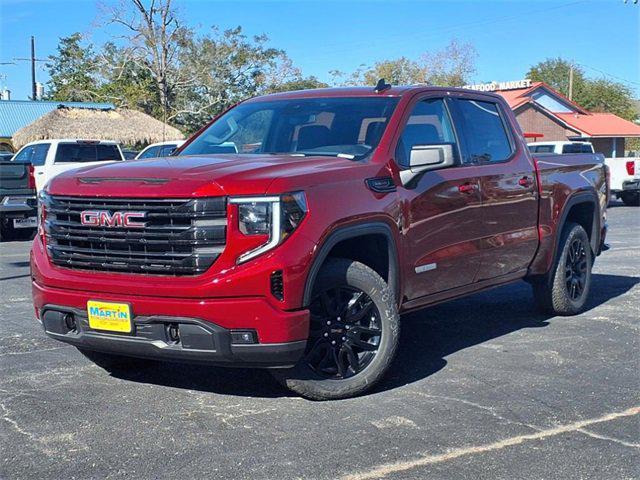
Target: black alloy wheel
[(576, 269), (354, 329), (345, 332)]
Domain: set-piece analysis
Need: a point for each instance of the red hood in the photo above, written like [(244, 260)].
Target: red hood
[(196, 176)]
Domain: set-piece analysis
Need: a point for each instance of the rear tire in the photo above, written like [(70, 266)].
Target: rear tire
[(112, 363), (353, 335), (631, 199), (565, 288)]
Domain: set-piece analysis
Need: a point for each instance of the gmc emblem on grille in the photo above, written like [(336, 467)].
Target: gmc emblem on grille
[(104, 218)]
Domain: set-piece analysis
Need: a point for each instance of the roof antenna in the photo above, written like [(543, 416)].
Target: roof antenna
[(381, 86)]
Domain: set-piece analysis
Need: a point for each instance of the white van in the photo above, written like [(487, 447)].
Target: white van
[(52, 157)]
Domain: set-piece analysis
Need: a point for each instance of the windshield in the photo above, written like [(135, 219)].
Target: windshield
[(345, 127)]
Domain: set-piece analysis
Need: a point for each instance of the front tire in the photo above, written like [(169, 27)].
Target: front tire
[(353, 337), (565, 288)]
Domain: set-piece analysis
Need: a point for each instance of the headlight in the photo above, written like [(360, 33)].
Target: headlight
[(276, 216), (254, 218), (43, 202)]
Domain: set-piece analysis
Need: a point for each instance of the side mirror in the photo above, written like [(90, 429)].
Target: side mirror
[(427, 157)]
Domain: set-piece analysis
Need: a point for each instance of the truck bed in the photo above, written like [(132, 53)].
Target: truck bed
[(563, 179)]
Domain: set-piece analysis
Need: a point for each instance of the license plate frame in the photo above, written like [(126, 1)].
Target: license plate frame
[(29, 222), (109, 316)]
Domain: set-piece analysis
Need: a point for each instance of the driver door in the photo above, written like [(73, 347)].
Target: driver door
[(444, 207)]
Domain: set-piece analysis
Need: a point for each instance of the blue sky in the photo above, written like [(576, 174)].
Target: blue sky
[(509, 36)]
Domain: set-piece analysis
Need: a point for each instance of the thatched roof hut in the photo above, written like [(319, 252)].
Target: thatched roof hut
[(129, 127)]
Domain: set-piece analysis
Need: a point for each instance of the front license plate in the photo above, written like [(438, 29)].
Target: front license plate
[(113, 317), (30, 222)]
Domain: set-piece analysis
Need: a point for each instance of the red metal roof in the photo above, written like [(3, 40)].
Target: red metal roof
[(600, 124), (591, 124), (519, 96)]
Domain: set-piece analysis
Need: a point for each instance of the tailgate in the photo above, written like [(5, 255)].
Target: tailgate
[(13, 176)]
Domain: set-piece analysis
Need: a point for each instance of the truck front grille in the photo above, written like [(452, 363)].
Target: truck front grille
[(179, 237)]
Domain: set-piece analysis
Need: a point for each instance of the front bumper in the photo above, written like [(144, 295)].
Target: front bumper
[(205, 328), (198, 342)]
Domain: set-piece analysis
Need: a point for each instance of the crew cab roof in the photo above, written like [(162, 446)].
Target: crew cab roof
[(394, 91)]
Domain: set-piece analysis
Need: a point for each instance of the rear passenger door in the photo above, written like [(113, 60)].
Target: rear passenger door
[(507, 186)]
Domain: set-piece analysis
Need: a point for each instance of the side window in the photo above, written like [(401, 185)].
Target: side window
[(166, 150), (25, 155), (40, 154), (429, 124), (150, 152), (484, 130)]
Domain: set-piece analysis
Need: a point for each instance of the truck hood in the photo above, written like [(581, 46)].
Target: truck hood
[(190, 176)]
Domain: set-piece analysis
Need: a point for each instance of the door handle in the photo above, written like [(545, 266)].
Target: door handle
[(525, 182), (40, 173), (467, 187)]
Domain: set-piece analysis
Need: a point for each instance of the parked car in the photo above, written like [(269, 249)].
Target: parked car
[(161, 149), (624, 172), (129, 154), (52, 157), (17, 198), (344, 209)]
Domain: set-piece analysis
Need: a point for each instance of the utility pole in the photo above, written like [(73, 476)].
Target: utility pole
[(34, 93), (33, 60), (571, 82)]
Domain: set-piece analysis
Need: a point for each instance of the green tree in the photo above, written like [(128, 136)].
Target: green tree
[(555, 72), (125, 83), (603, 95), (302, 83), (600, 95), (452, 66), (72, 71)]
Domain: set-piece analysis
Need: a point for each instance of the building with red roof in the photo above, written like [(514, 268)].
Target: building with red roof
[(547, 115)]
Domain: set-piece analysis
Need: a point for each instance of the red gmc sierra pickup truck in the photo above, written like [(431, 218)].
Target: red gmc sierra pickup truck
[(338, 211)]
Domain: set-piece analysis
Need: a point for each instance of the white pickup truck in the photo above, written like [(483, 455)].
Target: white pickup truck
[(624, 171), (52, 157)]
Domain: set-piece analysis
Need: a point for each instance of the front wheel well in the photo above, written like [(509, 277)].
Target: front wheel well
[(370, 250), (370, 244)]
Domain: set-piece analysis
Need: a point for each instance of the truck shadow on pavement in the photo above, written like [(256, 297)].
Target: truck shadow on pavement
[(428, 337)]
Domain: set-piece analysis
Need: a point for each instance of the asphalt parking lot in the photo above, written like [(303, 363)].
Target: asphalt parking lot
[(483, 388)]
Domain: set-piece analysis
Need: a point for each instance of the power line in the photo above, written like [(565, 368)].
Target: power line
[(609, 74)]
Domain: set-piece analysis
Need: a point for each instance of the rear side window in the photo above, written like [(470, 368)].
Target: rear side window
[(40, 154), (80, 152), (429, 124), (484, 131)]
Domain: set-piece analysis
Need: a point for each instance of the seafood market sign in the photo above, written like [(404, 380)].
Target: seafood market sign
[(493, 86)]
